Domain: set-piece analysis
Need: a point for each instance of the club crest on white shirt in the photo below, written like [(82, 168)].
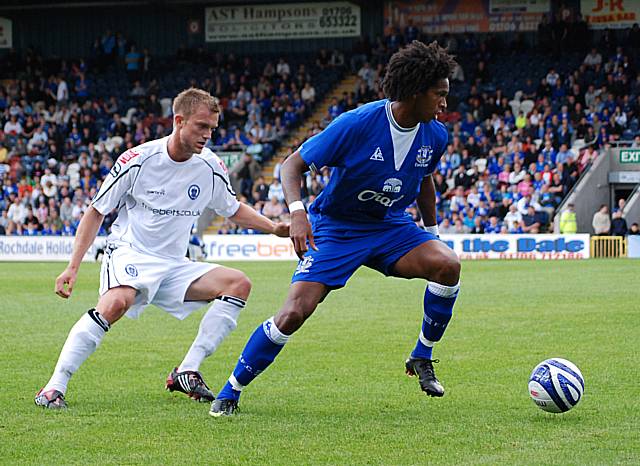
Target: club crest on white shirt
[(425, 153), (131, 270), (193, 192)]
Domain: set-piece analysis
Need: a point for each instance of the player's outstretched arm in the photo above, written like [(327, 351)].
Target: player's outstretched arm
[(246, 217), (300, 229), (85, 236)]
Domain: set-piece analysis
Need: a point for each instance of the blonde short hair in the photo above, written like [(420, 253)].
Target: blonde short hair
[(188, 101)]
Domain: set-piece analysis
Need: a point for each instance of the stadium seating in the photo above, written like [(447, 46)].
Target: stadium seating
[(484, 162), (22, 163)]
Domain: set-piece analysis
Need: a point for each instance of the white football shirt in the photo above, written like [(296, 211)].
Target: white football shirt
[(159, 199)]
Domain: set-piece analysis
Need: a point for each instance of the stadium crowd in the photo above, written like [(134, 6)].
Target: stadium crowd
[(62, 126), (516, 148), (512, 159)]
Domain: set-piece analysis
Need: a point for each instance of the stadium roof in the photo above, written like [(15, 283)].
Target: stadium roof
[(20, 5)]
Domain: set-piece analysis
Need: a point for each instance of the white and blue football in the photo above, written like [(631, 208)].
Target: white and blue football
[(556, 385)]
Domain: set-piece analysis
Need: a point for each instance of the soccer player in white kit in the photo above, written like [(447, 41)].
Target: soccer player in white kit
[(159, 189)]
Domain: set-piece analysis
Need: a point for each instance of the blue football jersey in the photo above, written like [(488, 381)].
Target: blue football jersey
[(365, 184)]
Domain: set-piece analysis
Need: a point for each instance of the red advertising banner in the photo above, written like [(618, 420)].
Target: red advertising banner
[(440, 16), (615, 14)]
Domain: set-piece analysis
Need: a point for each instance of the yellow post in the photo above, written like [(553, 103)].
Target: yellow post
[(608, 246)]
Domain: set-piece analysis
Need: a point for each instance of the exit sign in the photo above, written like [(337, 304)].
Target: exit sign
[(630, 156)]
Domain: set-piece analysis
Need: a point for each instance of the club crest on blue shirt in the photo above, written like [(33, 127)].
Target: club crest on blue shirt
[(425, 153), (193, 192)]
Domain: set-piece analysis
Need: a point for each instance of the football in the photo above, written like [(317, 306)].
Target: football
[(556, 385)]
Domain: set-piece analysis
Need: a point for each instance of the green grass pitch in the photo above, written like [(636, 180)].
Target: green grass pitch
[(337, 394)]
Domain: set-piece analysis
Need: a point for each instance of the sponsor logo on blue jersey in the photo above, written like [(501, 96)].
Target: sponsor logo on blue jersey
[(389, 187), (392, 185), (380, 198)]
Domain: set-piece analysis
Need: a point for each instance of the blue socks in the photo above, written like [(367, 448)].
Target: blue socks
[(438, 308), (259, 352), (267, 340)]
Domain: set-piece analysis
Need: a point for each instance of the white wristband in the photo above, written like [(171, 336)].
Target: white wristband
[(433, 229), (296, 205)]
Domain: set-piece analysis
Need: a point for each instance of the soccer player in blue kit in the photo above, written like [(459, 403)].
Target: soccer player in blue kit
[(382, 156)]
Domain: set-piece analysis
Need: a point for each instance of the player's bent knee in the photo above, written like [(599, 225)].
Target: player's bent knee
[(293, 314), (113, 307), (289, 320), (238, 285), (119, 304), (300, 304), (449, 270)]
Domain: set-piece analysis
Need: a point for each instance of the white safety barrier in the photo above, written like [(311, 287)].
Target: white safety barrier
[(268, 247), (549, 247), (541, 247), (633, 248), (43, 248)]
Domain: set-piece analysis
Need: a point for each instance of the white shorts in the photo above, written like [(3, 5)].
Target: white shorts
[(159, 281)]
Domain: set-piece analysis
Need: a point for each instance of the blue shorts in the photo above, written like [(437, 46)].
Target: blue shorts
[(342, 249)]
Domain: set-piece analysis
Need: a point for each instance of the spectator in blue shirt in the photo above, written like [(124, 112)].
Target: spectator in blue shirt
[(530, 221), (132, 61), (469, 124), (548, 153), (67, 229), (82, 88), (563, 154), (335, 109), (469, 217), (290, 117), (493, 226)]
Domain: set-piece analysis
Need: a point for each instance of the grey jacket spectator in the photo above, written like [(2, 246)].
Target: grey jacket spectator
[(66, 210), (243, 173), (601, 222), (445, 227), (4, 219)]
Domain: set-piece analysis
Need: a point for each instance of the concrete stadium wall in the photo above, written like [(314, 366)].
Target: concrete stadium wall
[(588, 195), (632, 209)]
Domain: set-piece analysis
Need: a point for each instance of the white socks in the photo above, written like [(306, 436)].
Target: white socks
[(85, 336), (220, 320), (444, 291), (83, 339), (273, 332)]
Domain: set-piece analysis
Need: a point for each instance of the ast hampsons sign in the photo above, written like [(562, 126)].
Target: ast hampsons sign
[(282, 21)]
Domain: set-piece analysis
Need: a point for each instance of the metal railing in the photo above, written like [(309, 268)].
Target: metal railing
[(621, 143)]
